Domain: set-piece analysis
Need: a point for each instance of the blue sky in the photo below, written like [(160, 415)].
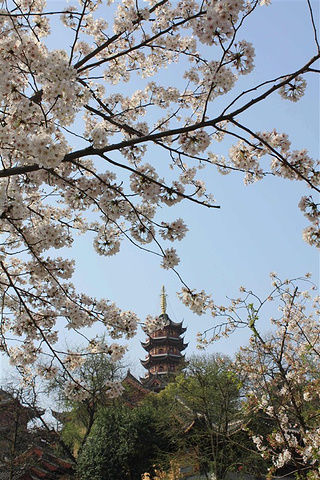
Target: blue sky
[(258, 228)]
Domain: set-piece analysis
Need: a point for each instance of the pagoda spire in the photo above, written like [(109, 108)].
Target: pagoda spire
[(163, 301)]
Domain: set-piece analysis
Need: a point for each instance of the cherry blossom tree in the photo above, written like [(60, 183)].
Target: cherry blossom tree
[(111, 186), (281, 371)]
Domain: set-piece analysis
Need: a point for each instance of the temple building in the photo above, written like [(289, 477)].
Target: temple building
[(164, 349)]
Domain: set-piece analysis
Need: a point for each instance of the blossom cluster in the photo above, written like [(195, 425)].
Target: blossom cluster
[(198, 302), (170, 259), (285, 163), (194, 142), (311, 210), (294, 89), (152, 324), (218, 24)]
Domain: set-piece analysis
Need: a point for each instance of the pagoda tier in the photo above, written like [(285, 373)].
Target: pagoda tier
[(162, 363), (157, 343), (163, 347)]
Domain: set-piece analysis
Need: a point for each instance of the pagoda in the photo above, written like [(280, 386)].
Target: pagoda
[(164, 346)]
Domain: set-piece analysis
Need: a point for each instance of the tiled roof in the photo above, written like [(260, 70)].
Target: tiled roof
[(38, 463)]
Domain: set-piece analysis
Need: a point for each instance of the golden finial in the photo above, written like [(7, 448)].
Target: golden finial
[(163, 301)]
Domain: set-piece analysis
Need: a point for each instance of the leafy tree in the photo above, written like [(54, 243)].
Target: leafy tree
[(100, 377), (124, 443), (201, 412), (61, 175)]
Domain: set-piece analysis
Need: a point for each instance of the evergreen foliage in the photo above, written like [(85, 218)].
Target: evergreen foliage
[(123, 444)]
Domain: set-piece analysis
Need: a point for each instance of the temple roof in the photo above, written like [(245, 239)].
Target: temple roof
[(155, 382), (9, 404), (134, 391), (39, 463)]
